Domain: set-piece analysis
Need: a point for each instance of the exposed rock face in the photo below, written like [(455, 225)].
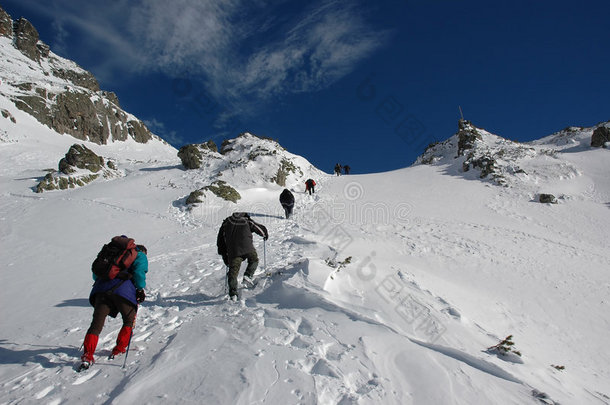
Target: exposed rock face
[(26, 38), (486, 164), (77, 113), (6, 24), (467, 136), (73, 104), (36, 105), (600, 137), (78, 168), (83, 79), (286, 167), (74, 114), (81, 157), (192, 155)]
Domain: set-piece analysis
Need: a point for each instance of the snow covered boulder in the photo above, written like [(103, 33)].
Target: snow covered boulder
[(219, 188), (601, 136)]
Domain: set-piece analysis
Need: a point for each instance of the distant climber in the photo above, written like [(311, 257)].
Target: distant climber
[(310, 186), (235, 245), (346, 169), (287, 201), (338, 169)]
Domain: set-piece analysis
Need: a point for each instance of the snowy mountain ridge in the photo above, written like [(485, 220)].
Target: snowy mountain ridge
[(480, 154), (59, 93)]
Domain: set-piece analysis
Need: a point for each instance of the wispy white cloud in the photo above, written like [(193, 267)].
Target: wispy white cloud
[(243, 50), (158, 128)]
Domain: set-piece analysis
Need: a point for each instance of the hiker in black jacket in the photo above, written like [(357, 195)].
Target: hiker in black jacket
[(235, 245), (287, 201)]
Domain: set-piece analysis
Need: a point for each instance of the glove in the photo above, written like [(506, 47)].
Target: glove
[(266, 237), (225, 259), (140, 296)]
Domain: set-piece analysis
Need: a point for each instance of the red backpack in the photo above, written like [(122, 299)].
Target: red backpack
[(114, 257)]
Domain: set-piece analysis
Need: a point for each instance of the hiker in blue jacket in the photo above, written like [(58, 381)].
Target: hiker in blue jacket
[(111, 297)]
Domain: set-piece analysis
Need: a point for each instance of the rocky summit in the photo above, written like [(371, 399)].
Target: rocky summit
[(59, 93), (476, 153)]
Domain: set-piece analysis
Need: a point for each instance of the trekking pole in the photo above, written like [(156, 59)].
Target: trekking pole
[(128, 345), (265, 255), (227, 281)]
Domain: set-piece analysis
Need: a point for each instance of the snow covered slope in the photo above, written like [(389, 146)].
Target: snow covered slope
[(384, 288)]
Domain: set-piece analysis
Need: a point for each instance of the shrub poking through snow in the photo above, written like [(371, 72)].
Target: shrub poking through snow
[(505, 350)]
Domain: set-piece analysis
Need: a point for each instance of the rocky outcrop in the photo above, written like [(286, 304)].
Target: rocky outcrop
[(285, 169), (486, 164), (192, 155), (547, 199), (85, 117), (222, 190), (73, 105), (75, 114), (82, 78), (36, 105), (79, 167), (467, 136), (26, 39), (81, 157), (601, 136), (6, 24), (219, 188), (7, 114)]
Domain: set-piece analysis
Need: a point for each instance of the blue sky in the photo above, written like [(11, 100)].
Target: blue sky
[(363, 83)]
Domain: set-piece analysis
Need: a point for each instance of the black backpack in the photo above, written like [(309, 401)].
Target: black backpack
[(114, 257)]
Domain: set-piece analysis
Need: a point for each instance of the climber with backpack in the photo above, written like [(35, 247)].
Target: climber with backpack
[(119, 272), (310, 185), (235, 245), (287, 201)]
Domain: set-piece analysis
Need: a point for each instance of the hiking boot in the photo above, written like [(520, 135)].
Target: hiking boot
[(233, 298), (87, 358)]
